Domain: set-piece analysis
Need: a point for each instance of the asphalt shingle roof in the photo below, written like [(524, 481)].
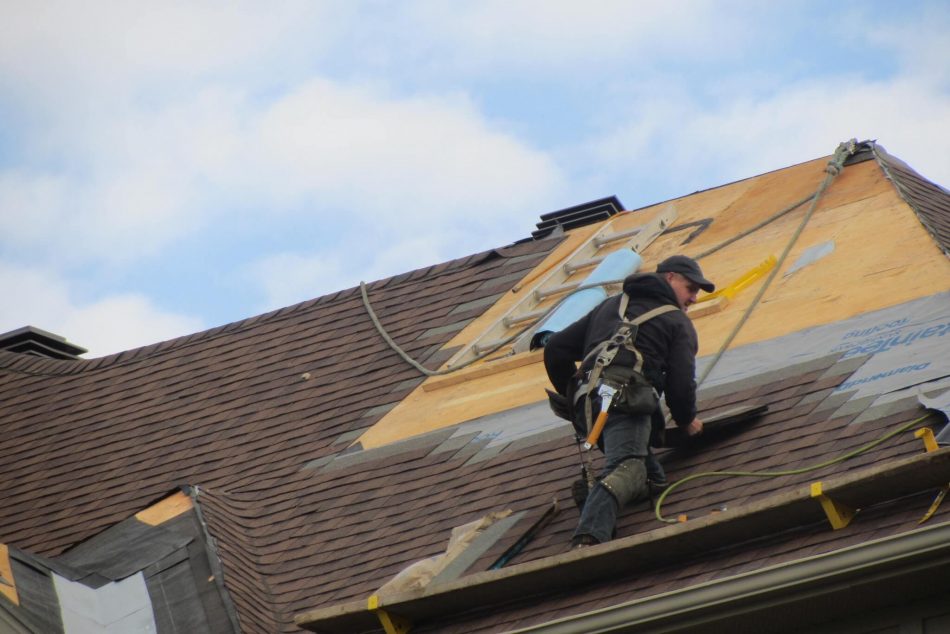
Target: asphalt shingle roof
[(258, 416)]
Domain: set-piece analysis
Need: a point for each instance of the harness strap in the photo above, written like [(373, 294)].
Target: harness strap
[(605, 352)]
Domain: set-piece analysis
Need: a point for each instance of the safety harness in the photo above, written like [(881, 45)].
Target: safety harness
[(605, 353), (612, 386)]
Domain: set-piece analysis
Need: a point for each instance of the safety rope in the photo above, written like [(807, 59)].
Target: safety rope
[(832, 169), (775, 474), (478, 357), (754, 227)]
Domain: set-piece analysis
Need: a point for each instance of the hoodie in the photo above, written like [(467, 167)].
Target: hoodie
[(668, 344)]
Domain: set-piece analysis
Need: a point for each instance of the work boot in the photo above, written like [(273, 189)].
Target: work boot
[(582, 541), (657, 487)]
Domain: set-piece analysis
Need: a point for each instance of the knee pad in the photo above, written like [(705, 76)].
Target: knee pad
[(627, 481)]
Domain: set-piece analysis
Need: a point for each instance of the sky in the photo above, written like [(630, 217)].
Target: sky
[(168, 167)]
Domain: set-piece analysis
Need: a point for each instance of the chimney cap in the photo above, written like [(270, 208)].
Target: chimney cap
[(38, 342)]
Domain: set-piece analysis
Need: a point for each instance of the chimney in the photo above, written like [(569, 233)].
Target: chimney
[(578, 216), (39, 343)]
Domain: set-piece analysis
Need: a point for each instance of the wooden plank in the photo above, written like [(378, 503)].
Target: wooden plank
[(7, 582), (482, 370), (172, 506), (715, 305)]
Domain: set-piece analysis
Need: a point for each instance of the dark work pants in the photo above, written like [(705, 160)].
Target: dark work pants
[(625, 437)]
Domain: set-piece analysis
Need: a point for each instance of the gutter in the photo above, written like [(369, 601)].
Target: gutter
[(875, 569), (573, 569)]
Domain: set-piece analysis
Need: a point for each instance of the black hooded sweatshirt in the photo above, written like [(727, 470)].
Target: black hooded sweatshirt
[(667, 342)]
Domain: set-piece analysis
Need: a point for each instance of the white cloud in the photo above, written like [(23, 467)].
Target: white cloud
[(137, 179), (399, 162), (918, 40), (288, 278), (122, 215), (556, 36), (61, 47), (690, 145), (104, 326)]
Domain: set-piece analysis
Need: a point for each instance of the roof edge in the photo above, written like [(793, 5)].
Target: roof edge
[(775, 513), (757, 591), (29, 365), (900, 173)]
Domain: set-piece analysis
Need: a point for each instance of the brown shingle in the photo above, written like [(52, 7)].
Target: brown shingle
[(87, 444)]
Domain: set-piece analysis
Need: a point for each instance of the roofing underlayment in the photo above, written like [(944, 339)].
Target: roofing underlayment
[(309, 464)]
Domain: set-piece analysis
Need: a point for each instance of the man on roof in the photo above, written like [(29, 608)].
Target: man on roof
[(666, 343)]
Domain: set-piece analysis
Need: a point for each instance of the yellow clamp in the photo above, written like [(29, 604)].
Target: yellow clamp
[(927, 434), (729, 292), (392, 623), (936, 504), (838, 514)]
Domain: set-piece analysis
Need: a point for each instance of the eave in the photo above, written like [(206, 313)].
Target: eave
[(858, 489), (786, 597)]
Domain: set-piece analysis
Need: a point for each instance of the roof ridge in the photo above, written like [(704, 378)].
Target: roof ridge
[(36, 366), (921, 202)]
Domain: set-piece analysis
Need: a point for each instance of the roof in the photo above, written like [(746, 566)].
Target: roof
[(322, 464)]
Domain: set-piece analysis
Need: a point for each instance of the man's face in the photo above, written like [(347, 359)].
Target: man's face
[(685, 289)]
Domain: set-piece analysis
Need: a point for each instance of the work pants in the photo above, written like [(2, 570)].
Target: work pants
[(624, 437)]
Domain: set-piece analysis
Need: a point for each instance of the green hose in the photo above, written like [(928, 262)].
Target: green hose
[(775, 474)]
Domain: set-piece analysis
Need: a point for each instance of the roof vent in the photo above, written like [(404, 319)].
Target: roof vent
[(39, 343), (578, 216)]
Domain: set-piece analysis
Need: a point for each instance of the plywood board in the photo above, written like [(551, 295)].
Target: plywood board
[(7, 582), (172, 506), (883, 256)]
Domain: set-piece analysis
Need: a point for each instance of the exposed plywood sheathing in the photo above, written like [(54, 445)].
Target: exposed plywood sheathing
[(7, 583), (868, 270), (172, 506)]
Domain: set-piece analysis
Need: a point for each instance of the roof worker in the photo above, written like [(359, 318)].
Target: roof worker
[(667, 344)]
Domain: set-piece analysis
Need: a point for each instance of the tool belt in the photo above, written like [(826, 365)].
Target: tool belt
[(635, 394)]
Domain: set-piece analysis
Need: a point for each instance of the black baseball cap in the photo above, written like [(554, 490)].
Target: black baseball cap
[(688, 268)]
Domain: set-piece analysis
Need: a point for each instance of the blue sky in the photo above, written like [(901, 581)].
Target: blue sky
[(170, 167)]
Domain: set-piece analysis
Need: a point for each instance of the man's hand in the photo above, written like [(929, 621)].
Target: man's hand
[(694, 428)]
